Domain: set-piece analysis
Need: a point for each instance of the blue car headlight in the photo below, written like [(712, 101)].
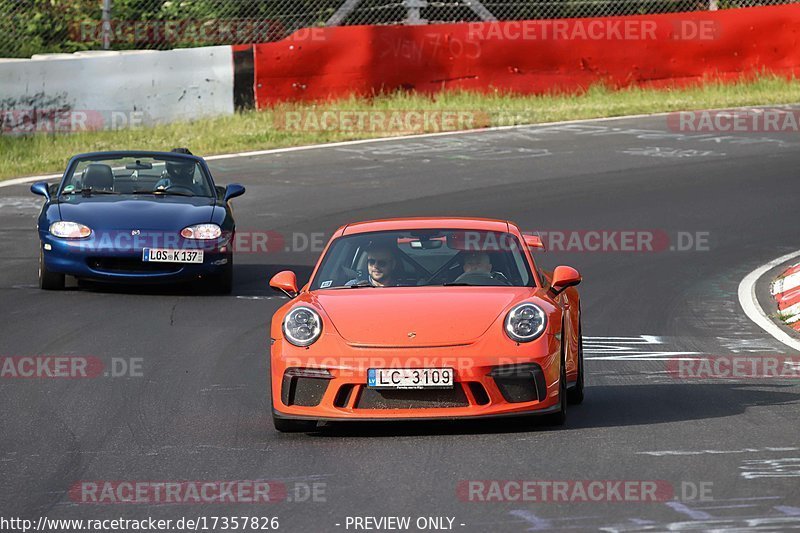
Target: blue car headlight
[(202, 232), (69, 230)]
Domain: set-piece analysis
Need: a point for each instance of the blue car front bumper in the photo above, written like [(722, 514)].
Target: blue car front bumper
[(120, 260)]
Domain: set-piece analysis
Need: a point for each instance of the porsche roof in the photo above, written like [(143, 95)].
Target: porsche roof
[(486, 224)]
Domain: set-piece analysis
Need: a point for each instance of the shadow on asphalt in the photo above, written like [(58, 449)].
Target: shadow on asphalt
[(248, 280), (634, 405), (604, 406)]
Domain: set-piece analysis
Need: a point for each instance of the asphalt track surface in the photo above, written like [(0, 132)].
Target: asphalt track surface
[(200, 408)]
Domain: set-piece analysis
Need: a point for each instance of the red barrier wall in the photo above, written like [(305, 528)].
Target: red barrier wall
[(528, 56)]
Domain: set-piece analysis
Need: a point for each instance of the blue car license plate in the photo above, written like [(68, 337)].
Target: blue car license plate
[(160, 255)]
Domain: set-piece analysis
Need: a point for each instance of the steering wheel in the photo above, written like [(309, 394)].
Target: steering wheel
[(499, 276), (443, 272), (480, 279)]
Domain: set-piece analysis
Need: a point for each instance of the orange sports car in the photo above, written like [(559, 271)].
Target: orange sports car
[(426, 318)]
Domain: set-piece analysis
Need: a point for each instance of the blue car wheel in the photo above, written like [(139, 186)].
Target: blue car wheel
[(221, 283), (49, 281)]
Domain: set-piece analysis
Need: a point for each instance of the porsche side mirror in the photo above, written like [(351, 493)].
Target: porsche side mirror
[(285, 282), (533, 242), (232, 191), (563, 277), (41, 188)]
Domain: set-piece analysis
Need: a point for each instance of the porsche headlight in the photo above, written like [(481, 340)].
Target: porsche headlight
[(202, 231), (69, 230), (525, 322), (302, 326)]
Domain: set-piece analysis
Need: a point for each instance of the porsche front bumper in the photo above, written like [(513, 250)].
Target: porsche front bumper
[(523, 380)]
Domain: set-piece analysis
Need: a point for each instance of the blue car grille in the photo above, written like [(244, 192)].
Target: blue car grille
[(130, 265)]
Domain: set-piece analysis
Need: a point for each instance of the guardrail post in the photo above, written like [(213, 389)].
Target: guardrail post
[(106, 24), (342, 13), (414, 17), (479, 9)]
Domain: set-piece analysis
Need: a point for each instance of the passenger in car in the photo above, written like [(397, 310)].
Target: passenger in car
[(477, 262), (478, 271)]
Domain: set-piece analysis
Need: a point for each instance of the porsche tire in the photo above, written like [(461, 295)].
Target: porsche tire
[(575, 394), (560, 417), (293, 426), (49, 281)]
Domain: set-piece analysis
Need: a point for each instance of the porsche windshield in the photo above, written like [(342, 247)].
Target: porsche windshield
[(424, 258), (156, 175)]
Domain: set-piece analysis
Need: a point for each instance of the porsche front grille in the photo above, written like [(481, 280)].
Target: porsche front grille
[(412, 399)]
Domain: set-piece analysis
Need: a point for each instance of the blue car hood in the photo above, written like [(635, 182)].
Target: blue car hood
[(136, 212)]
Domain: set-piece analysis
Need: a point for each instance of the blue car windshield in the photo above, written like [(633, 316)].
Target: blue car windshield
[(157, 175)]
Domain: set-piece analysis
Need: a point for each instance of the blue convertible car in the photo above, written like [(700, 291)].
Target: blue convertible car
[(137, 217)]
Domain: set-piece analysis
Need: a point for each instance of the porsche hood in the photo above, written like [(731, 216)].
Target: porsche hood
[(418, 316)]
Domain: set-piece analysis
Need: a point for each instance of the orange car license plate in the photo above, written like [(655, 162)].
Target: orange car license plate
[(410, 378)]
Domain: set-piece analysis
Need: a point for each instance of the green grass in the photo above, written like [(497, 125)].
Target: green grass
[(255, 130)]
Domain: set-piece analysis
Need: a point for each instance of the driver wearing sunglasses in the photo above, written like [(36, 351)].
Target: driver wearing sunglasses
[(381, 265)]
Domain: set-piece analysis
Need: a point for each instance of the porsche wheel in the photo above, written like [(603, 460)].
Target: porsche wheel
[(49, 281), (293, 426), (575, 394)]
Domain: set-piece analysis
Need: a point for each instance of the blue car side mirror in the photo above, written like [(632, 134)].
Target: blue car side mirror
[(232, 191), (41, 188)]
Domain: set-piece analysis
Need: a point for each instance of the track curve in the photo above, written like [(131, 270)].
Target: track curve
[(199, 409)]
